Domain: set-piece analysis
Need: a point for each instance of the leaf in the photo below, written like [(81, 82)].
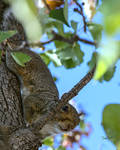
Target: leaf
[(51, 56), (55, 78), (20, 58), (107, 58), (49, 27), (111, 12), (93, 60), (65, 10), (112, 23), (48, 24), (58, 15), (111, 122), (69, 63), (79, 54), (82, 125), (96, 31), (45, 58), (48, 141), (74, 26), (60, 148), (61, 45), (6, 34), (109, 74), (70, 55), (59, 27)]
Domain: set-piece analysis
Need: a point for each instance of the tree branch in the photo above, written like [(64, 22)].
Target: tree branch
[(58, 37), (80, 11), (76, 89), (85, 41)]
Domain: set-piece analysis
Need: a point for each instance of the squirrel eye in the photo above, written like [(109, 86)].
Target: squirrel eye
[(65, 108)]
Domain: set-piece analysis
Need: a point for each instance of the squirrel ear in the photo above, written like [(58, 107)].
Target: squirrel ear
[(65, 108)]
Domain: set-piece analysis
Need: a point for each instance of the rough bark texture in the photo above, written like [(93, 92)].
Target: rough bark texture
[(10, 100), (13, 135), (10, 117)]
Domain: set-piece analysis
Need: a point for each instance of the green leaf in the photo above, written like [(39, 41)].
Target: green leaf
[(48, 24), (68, 63), (70, 55), (61, 45), (45, 58), (82, 125), (96, 31), (60, 148), (93, 60), (112, 24), (48, 141), (108, 58), (65, 10), (111, 122), (6, 34), (20, 58), (55, 78), (58, 15), (79, 54), (74, 26), (51, 56), (59, 27), (109, 74), (111, 12)]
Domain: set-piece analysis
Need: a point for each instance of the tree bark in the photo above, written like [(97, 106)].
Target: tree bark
[(13, 133)]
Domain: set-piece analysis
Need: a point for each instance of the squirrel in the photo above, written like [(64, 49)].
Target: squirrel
[(39, 92)]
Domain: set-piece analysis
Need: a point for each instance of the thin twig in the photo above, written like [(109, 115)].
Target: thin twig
[(58, 37), (64, 99), (71, 40), (40, 44), (81, 13), (61, 38), (85, 41)]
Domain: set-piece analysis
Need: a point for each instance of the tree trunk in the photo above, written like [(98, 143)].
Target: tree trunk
[(13, 134)]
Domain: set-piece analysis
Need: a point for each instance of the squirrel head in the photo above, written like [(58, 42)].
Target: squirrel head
[(63, 121), (67, 118)]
